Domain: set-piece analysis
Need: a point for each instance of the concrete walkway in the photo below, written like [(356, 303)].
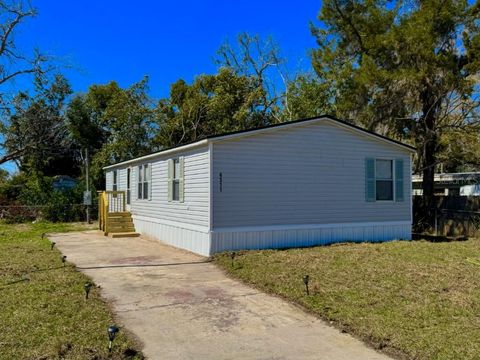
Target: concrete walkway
[(183, 308)]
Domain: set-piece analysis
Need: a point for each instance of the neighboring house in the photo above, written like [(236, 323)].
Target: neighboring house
[(64, 182), (301, 183), (451, 184)]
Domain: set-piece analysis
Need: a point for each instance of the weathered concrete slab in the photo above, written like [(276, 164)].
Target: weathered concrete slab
[(182, 307)]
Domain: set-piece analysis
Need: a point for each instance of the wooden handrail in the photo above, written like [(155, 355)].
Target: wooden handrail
[(104, 206)]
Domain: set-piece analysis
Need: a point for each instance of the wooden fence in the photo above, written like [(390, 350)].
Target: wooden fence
[(453, 216)]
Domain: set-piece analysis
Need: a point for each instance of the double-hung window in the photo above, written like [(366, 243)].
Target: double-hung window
[(143, 187), (176, 179), (384, 179)]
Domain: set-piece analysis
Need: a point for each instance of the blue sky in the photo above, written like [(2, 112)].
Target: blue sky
[(103, 40), (167, 40)]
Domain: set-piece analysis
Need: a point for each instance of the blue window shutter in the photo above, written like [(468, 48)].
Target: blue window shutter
[(399, 180), (369, 179)]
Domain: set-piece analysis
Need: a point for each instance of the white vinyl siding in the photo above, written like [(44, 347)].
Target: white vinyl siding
[(108, 180), (121, 180), (310, 174), (193, 212)]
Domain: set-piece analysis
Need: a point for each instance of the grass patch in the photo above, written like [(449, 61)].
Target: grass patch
[(44, 314), (417, 300)]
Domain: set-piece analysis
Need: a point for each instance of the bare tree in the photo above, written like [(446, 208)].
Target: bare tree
[(261, 59), (15, 63)]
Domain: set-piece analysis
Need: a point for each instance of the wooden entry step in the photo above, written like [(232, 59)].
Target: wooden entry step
[(114, 235)]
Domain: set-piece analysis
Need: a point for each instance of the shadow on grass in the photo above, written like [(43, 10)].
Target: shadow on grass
[(26, 277), (438, 238)]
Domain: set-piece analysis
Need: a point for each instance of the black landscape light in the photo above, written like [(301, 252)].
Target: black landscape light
[(306, 279), (112, 332), (64, 259), (232, 255), (87, 287), (52, 245), (43, 236)]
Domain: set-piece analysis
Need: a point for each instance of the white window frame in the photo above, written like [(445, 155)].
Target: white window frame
[(176, 178), (142, 180), (392, 162)]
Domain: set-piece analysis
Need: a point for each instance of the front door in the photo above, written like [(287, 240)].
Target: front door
[(129, 182)]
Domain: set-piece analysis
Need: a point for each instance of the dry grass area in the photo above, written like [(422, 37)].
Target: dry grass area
[(44, 314), (416, 300)]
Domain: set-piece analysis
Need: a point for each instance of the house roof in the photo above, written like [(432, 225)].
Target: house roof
[(237, 134), (456, 178)]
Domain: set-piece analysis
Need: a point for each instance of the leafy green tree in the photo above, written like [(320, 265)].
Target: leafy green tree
[(84, 126), (307, 96), (115, 124), (407, 69), (212, 104), (11, 186), (459, 151)]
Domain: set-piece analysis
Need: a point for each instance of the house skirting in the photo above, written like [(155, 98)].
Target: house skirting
[(193, 238), (270, 237), (199, 240)]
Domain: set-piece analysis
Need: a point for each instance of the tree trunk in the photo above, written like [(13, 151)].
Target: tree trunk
[(429, 150), (428, 183)]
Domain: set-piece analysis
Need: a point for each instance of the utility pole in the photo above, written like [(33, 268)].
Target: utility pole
[(87, 183)]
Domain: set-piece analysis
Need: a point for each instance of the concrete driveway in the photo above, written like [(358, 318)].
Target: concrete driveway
[(181, 307)]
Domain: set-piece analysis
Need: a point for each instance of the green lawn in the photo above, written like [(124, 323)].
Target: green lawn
[(417, 299), (43, 311)]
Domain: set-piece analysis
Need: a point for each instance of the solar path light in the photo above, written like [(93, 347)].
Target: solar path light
[(232, 255), (87, 287), (52, 245), (112, 332), (64, 259), (306, 279)]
